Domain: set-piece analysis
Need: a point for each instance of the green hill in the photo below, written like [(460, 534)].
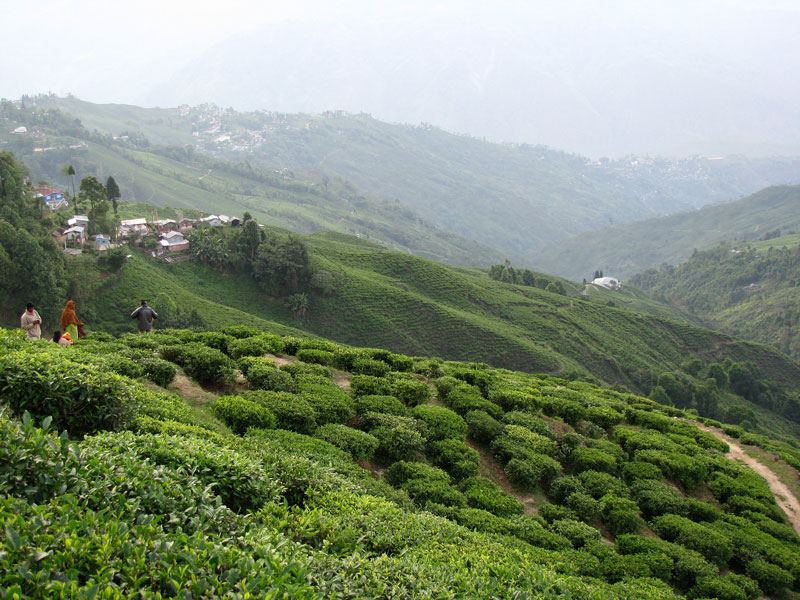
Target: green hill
[(747, 290), (311, 470), (180, 178), (623, 250), (406, 304), (515, 198)]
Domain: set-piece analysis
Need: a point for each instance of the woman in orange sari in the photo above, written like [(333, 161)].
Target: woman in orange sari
[(70, 322)]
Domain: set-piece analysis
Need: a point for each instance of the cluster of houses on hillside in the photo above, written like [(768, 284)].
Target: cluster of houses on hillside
[(171, 233)]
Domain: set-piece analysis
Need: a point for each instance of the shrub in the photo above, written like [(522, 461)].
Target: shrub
[(697, 510), (240, 331), (620, 515), (512, 399), (298, 368), (240, 414), (714, 546), (360, 444), (404, 470), (423, 491), (369, 366), (255, 346), (266, 377), (80, 399), (519, 442), (584, 459), (172, 352), (366, 385), (563, 487), (320, 357), (528, 421), (576, 532), (397, 442), (569, 410), (603, 416), (464, 398), (330, 403), (656, 498), (445, 385), (380, 404), (599, 484), (121, 365), (482, 427), (215, 339), (772, 579), (160, 372), (714, 586), (245, 363), (637, 470), (411, 391), (206, 365), (442, 422), (455, 457), (584, 506), (554, 512), (291, 412), (487, 495), (529, 472)]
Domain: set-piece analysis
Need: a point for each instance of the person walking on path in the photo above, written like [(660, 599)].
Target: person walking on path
[(145, 316), (31, 322), (70, 323)]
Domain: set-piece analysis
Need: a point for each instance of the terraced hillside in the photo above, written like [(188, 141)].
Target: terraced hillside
[(307, 469)]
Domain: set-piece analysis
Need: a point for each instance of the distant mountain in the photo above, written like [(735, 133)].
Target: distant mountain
[(623, 250), (647, 89), (509, 197)]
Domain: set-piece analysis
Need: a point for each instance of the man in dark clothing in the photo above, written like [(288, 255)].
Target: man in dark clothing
[(145, 316)]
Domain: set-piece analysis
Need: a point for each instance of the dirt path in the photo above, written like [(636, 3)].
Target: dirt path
[(783, 496)]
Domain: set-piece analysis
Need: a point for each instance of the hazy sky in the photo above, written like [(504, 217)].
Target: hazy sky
[(88, 47), (120, 52)]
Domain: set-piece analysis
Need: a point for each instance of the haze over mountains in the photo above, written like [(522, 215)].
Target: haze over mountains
[(673, 79)]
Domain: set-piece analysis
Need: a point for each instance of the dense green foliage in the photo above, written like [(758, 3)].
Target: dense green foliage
[(311, 522)]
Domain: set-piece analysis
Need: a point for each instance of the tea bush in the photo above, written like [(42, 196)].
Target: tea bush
[(620, 515), (583, 459), (512, 399), (360, 444), (411, 392), (397, 441), (299, 368), (528, 421), (603, 416), (553, 512), (721, 588), (159, 371), (206, 365), (656, 498), (521, 443), (320, 357), (636, 470), (482, 427), (245, 363), (240, 414), (255, 346), (240, 331), (455, 457), (330, 403), (487, 495), (464, 399), (80, 399), (584, 506), (368, 366), (563, 487), (445, 385), (580, 534), (366, 385), (442, 422), (771, 578), (161, 405), (714, 546), (530, 472), (217, 340), (291, 412), (380, 404), (266, 377)]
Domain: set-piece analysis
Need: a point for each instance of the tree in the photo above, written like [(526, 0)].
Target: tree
[(112, 193), (69, 171), (94, 192), (282, 265)]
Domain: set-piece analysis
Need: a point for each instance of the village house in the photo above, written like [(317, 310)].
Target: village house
[(78, 221), (212, 221), (173, 242), (185, 225), (612, 283), (52, 198), (164, 225), (59, 237), (102, 241), (75, 234), (132, 227)]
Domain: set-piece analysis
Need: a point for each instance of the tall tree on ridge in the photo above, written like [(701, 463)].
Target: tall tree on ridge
[(69, 171), (112, 193)]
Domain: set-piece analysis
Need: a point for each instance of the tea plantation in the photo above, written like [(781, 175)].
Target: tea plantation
[(325, 471)]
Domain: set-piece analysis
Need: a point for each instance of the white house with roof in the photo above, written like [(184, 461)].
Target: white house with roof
[(78, 220), (612, 283), (136, 227), (75, 234), (173, 241), (212, 221)]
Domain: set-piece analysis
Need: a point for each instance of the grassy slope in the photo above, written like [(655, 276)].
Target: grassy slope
[(419, 307), (627, 249)]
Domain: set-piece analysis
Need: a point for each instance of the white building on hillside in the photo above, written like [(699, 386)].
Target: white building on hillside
[(611, 283)]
